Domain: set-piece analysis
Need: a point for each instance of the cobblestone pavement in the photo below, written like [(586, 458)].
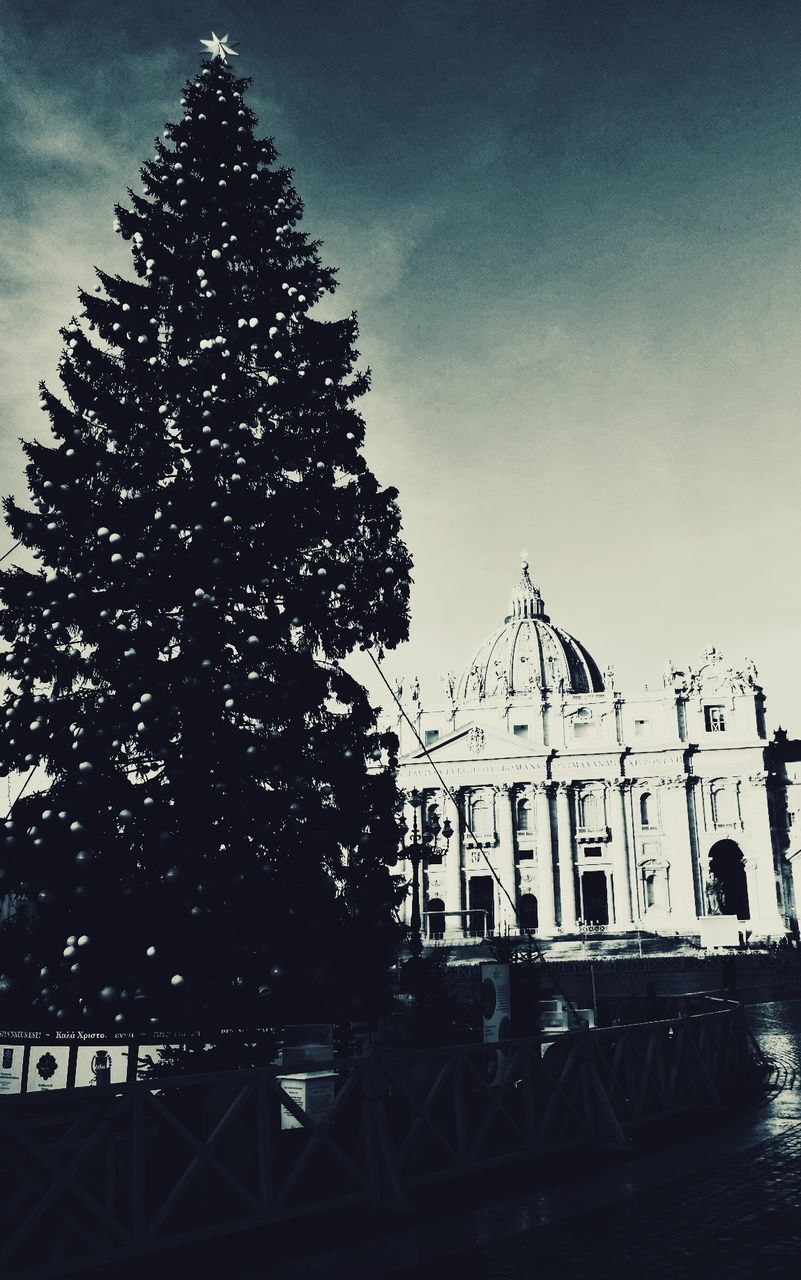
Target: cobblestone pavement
[(724, 1205)]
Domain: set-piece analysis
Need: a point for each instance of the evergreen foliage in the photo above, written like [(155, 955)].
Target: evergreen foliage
[(210, 843)]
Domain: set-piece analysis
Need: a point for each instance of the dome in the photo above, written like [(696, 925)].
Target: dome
[(528, 653)]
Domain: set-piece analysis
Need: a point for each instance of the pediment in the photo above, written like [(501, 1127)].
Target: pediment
[(473, 742)]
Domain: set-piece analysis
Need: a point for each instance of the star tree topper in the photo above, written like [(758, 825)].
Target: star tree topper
[(219, 47)]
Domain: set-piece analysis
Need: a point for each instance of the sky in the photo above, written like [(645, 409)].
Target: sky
[(572, 232)]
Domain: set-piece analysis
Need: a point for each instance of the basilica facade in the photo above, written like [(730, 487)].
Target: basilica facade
[(572, 805)]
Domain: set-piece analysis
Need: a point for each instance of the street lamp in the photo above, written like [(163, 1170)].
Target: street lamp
[(424, 840)]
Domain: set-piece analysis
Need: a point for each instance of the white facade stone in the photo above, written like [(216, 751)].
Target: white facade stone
[(574, 804)]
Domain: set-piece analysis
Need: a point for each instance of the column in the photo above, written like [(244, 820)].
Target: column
[(700, 873), (758, 855), (637, 905), (454, 925), (405, 866), (506, 910), (677, 849), (544, 851), (620, 857), (564, 839)]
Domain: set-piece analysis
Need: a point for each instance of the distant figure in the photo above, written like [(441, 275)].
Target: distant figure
[(714, 896)]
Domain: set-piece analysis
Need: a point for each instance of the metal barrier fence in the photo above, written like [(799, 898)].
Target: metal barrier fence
[(113, 1173)]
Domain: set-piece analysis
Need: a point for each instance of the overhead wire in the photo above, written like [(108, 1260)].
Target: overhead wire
[(10, 549)]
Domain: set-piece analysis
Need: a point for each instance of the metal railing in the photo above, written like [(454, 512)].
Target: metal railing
[(114, 1173), (473, 923)]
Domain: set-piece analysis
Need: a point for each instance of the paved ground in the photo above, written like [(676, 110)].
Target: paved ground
[(724, 1205)]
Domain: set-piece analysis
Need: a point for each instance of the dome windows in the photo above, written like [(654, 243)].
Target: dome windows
[(528, 656)]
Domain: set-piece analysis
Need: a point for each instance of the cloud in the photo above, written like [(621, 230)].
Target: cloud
[(373, 258), (42, 123)]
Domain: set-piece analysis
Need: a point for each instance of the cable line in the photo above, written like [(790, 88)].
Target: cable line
[(10, 549)]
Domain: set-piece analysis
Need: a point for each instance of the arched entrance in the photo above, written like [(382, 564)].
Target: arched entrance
[(436, 918), (529, 916), (727, 867)]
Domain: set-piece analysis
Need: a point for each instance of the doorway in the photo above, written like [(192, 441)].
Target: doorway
[(594, 897), (481, 900), (727, 866), (436, 919)]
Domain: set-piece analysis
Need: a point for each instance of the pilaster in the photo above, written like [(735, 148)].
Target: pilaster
[(620, 857), (454, 893), (506, 892), (678, 849), (544, 849), (759, 861), (564, 840)]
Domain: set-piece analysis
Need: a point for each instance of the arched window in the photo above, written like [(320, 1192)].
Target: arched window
[(655, 886), (529, 916), (590, 813), (647, 809), (481, 818), (432, 819), (724, 805), (523, 815), (649, 890)]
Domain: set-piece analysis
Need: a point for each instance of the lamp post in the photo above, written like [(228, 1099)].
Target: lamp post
[(424, 840)]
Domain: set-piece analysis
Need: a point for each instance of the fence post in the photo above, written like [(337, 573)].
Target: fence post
[(600, 1115), (386, 1188)]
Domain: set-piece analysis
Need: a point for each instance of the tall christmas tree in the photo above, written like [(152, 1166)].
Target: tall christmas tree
[(210, 842)]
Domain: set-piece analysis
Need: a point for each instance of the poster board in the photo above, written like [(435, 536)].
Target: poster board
[(312, 1091), (98, 1065), (496, 1016), (48, 1067), (12, 1060), (719, 931)]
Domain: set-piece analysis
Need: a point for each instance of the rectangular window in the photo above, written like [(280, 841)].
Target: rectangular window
[(520, 730), (715, 719), (642, 728), (592, 852), (432, 736)]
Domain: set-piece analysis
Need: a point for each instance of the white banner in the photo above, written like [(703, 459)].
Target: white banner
[(101, 1064), (496, 1004), (12, 1057), (47, 1067)]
